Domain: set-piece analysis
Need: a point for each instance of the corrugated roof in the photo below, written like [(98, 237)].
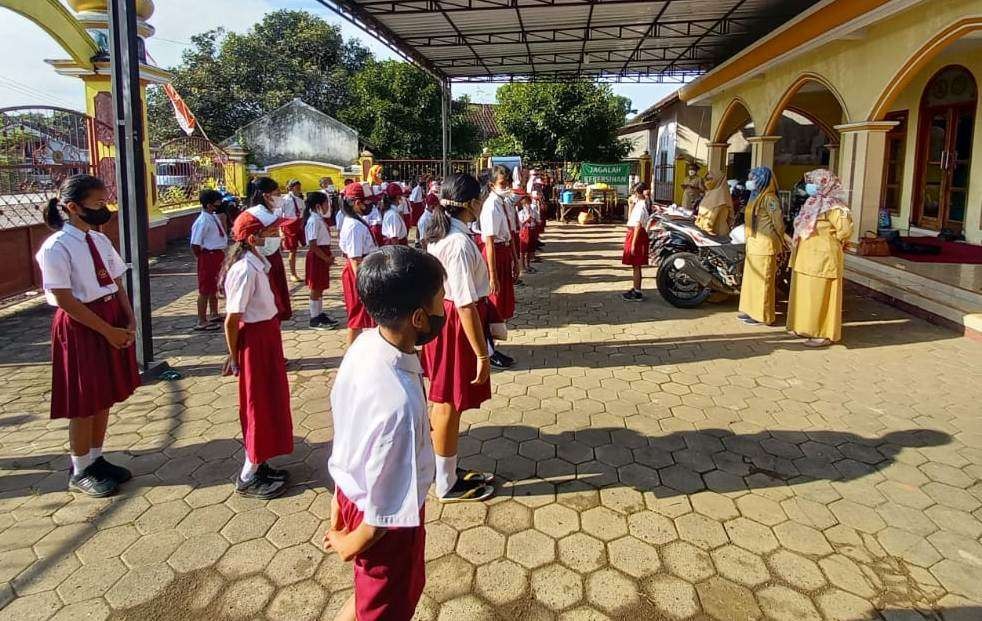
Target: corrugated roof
[(482, 116), (611, 40)]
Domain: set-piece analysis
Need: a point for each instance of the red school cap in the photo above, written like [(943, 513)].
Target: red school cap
[(247, 224)]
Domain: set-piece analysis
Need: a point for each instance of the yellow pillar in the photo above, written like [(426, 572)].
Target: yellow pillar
[(762, 150), (644, 168), (863, 154), (833, 149), (366, 160), (236, 175), (717, 156)]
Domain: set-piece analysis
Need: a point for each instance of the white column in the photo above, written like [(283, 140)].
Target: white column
[(861, 160)]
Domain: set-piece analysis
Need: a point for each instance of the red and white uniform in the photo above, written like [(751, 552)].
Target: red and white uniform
[(382, 463), (416, 204), (449, 360), (291, 208), (374, 220), (529, 229), (637, 254), (394, 231), (277, 270), (495, 222), (208, 232), (264, 393), (317, 271), (356, 241), (88, 375)]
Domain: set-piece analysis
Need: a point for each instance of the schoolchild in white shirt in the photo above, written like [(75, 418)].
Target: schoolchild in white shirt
[(264, 206), (291, 208), (208, 243), (255, 348), (317, 266), (394, 232), (93, 362), (500, 253), (636, 242), (382, 460), (356, 242), (529, 230)]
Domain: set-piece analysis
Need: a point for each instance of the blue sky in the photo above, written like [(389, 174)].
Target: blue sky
[(25, 79)]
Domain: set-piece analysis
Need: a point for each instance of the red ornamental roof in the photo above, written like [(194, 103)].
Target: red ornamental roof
[(482, 116)]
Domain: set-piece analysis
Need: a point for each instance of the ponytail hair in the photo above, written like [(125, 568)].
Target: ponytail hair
[(311, 201), (348, 209), (263, 185), (456, 193), (74, 189)]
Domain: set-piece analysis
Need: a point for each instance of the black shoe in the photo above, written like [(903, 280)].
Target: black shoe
[(632, 296), (273, 474), (111, 471), (505, 357), (259, 487), (315, 324), (531, 270), (498, 362), (92, 483), (468, 491), (327, 319)]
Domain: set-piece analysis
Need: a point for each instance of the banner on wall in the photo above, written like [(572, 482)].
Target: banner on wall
[(611, 174)]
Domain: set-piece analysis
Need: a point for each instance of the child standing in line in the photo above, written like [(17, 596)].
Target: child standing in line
[(255, 356), (93, 361), (356, 242), (208, 243), (263, 206), (528, 233), (539, 215), (382, 461), (500, 253), (291, 207), (636, 242), (317, 267), (394, 232), (373, 216)]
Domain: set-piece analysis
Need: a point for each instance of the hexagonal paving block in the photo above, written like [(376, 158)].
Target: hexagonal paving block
[(293, 529), (556, 520), (687, 561), (91, 580), (741, 566), (715, 506), (464, 515), (727, 600), (501, 581), (556, 587), (508, 517), (652, 527), (531, 549), (604, 523), (303, 600), (581, 552), (836, 604), (198, 552), (480, 545), (801, 573), (673, 596), (783, 604), (249, 525), (448, 577), (761, 509), (633, 557), (700, 530), (611, 591), (440, 540), (751, 535), (153, 549), (246, 597), (246, 558), (464, 608), (803, 539), (294, 564)]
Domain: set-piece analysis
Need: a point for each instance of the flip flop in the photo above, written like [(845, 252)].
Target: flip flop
[(465, 474)]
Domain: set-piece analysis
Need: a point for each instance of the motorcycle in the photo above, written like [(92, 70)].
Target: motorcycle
[(694, 265)]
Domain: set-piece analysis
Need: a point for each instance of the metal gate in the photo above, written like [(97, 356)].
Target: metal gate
[(408, 171), (185, 166)]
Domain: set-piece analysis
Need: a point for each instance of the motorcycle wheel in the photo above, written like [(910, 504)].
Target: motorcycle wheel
[(678, 289)]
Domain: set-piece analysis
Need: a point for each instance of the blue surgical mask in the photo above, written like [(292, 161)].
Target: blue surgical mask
[(751, 185), (811, 189)]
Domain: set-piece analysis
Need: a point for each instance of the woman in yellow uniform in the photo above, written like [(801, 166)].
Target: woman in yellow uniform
[(716, 207), (765, 241), (820, 232)]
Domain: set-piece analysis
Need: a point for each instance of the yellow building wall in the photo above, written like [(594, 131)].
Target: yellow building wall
[(309, 174), (788, 175), (860, 70)]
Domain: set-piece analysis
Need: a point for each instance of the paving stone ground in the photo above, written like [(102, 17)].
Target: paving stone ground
[(655, 463)]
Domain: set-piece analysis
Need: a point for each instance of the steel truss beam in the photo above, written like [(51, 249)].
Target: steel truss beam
[(403, 7), (666, 55)]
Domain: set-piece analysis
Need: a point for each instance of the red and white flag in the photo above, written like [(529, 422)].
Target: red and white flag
[(185, 118)]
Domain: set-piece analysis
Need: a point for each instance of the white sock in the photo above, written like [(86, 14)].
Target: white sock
[(248, 470), (446, 474), (95, 453), (490, 347), (316, 306), (81, 462)]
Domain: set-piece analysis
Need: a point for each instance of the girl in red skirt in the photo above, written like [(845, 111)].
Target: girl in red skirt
[(92, 334), (394, 232), (529, 231), (457, 362), (317, 268), (291, 206), (499, 252), (636, 242), (255, 356), (208, 243), (356, 242), (263, 201)]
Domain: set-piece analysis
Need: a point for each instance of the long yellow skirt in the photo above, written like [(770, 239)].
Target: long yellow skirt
[(758, 292), (815, 307)]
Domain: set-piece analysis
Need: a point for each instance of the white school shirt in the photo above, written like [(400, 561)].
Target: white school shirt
[(467, 278), (416, 196), (355, 239), (316, 230), (66, 263), (291, 206), (423, 222), (639, 215), (404, 206), (494, 220), (382, 457), (247, 289), (374, 216), (524, 215), (208, 232), (339, 220), (536, 212), (393, 226)]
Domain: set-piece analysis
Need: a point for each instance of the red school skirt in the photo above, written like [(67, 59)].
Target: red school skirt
[(450, 363), (395, 241), (317, 271), (293, 236), (376, 231), (639, 258), (358, 317), (88, 375), (415, 212), (209, 267), (504, 300), (264, 393), (527, 238), (281, 290), (390, 575)]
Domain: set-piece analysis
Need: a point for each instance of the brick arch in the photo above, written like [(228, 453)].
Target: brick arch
[(726, 126), (789, 94)]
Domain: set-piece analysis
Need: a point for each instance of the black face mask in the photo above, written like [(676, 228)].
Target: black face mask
[(95, 217), (221, 208), (436, 327)]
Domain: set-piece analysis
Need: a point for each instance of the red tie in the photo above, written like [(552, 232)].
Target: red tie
[(218, 221), (101, 273)]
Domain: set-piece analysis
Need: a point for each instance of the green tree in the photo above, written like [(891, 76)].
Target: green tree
[(568, 121), (396, 107)]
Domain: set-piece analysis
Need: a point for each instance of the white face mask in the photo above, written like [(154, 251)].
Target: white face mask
[(751, 185), (271, 245)]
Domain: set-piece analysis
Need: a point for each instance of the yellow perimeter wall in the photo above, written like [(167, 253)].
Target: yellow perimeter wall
[(309, 174)]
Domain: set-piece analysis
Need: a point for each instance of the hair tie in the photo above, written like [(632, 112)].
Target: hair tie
[(446, 202)]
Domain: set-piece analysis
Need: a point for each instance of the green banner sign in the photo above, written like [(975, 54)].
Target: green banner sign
[(611, 174)]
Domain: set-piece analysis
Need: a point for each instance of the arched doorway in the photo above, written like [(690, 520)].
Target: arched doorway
[(944, 149), (735, 128)]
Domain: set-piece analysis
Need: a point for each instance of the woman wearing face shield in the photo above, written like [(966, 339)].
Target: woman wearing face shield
[(765, 241), (264, 207)]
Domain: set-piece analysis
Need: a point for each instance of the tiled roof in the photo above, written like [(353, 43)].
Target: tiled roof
[(482, 115)]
